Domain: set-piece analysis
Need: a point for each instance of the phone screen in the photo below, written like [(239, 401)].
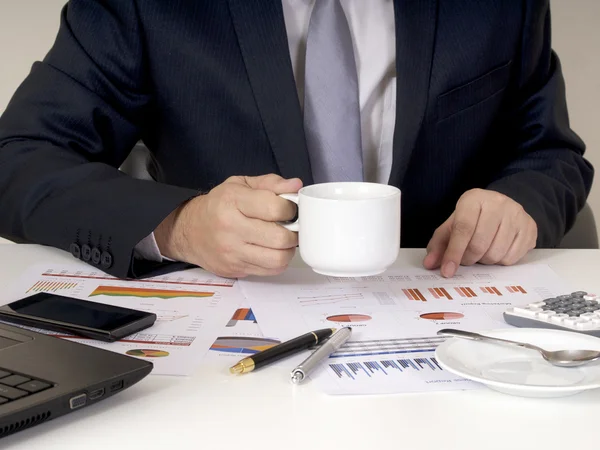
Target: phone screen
[(75, 311)]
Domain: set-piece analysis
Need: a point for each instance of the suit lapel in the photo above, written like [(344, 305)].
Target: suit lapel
[(262, 37), (415, 31)]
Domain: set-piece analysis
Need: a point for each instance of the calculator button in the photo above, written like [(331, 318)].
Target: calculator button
[(578, 293), (590, 303), (4, 374), (558, 318), (551, 301), (527, 311), (586, 325), (590, 297), (545, 315), (570, 322), (563, 297), (589, 315)]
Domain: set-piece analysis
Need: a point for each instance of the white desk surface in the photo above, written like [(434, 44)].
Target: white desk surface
[(263, 410)]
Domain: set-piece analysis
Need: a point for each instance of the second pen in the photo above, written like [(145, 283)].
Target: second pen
[(282, 350)]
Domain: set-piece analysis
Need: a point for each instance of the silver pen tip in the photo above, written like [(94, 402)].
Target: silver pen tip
[(297, 377)]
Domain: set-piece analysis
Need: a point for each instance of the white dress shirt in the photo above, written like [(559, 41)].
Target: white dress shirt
[(374, 40)]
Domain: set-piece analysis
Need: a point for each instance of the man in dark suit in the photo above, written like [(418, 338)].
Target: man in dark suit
[(461, 105)]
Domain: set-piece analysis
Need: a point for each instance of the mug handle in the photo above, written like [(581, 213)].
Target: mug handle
[(292, 226)]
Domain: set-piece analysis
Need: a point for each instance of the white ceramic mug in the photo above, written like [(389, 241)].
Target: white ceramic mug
[(347, 229)]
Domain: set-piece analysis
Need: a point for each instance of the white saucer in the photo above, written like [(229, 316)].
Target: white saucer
[(523, 372)]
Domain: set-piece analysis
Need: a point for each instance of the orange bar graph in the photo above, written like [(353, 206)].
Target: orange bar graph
[(516, 289), (419, 295), (433, 292), (448, 296), (414, 294)]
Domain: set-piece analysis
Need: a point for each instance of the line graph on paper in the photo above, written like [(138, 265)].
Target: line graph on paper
[(329, 299)]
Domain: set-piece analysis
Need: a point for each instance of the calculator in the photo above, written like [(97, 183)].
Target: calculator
[(577, 311)]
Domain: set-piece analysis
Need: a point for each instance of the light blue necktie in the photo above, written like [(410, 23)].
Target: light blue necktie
[(331, 102)]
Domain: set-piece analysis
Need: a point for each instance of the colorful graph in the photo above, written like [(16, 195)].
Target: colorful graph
[(349, 318), (241, 314), (516, 290), (491, 290), (52, 286), (124, 291), (465, 292), (440, 293), (147, 353), (189, 280), (442, 316), (244, 345), (414, 294)]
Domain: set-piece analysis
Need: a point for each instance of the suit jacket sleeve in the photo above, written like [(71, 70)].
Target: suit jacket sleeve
[(547, 173), (68, 128)]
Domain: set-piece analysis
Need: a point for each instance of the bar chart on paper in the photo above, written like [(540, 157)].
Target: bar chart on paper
[(191, 306), (379, 366)]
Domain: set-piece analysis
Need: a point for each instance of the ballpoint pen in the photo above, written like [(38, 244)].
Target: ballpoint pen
[(282, 350), (330, 346)]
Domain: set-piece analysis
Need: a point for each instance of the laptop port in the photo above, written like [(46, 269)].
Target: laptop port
[(116, 386), (95, 395), (78, 401)]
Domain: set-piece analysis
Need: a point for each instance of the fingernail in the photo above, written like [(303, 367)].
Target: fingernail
[(449, 269)]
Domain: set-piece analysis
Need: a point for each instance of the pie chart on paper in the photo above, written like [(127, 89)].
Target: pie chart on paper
[(349, 318), (442, 316)]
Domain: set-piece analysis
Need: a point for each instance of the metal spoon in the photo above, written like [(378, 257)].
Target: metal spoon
[(562, 358)]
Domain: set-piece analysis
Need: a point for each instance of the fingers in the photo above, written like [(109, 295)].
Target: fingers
[(264, 205), (463, 228), (486, 227), (523, 242), (438, 244), (266, 258), (499, 248), (267, 234), (270, 182), (486, 231)]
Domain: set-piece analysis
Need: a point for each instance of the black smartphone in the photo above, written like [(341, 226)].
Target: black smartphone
[(79, 317)]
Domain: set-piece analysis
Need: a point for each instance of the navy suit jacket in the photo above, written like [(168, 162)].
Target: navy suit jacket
[(208, 86)]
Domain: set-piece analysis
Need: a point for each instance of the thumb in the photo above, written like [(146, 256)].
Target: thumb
[(437, 244), (274, 183)]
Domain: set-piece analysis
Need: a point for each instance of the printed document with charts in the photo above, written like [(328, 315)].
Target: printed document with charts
[(395, 318), (193, 307)]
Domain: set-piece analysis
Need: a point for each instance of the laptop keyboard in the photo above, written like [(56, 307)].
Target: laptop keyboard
[(15, 386)]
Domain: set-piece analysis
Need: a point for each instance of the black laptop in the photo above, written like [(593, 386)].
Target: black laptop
[(44, 377)]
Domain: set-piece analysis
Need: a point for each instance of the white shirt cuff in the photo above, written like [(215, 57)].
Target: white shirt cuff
[(148, 249)]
